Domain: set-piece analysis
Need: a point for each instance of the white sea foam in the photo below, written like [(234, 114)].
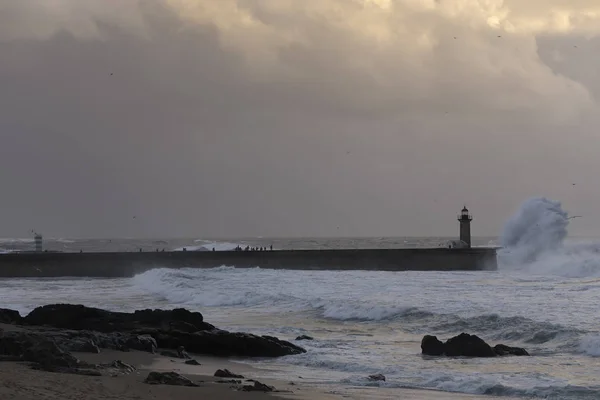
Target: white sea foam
[(204, 288), (208, 245), (62, 240), (590, 345), (16, 240), (533, 241), (359, 311)]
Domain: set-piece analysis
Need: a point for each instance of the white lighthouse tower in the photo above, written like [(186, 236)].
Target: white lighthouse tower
[(464, 220), (37, 238)]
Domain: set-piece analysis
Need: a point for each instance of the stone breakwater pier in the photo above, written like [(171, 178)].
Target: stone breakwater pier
[(458, 256), (129, 264)]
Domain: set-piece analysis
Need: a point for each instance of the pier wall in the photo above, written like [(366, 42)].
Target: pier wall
[(113, 265)]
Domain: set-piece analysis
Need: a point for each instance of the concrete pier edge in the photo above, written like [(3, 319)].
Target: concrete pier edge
[(129, 264)]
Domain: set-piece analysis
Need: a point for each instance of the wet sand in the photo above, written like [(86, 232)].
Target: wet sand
[(19, 382)]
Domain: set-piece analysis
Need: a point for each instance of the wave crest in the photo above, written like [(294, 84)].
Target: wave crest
[(533, 241)]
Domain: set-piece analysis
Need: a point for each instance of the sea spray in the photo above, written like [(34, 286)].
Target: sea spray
[(590, 345), (538, 227), (533, 241)]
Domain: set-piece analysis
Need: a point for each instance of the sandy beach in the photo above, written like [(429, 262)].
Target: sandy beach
[(19, 382)]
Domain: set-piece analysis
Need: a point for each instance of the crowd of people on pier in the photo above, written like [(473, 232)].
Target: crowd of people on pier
[(248, 248)]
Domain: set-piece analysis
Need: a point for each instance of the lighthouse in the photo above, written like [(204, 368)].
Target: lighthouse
[(464, 220), (38, 243)]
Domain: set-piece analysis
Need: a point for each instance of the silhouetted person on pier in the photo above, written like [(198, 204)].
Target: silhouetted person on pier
[(213, 249), (271, 247)]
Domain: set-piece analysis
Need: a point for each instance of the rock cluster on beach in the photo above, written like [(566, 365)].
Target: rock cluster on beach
[(466, 345), (48, 334)]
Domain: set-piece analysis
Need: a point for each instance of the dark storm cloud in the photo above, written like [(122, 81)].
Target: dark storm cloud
[(284, 118)]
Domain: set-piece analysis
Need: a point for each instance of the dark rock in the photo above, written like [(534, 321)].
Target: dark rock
[(81, 345), (14, 344), (466, 345), (141, 343), (147, 330), (192, 362), (117, 368), (432, 346), (168, 378), (86, 341), (8, 316), (504, 350), (79, 317), (227, 344), (304, 337), (43, 353), (180, 353), (258, 387), (35, 348), (225, 373), (10, 358), (47, 354), (378, 377), (231, 381), (182, 326)]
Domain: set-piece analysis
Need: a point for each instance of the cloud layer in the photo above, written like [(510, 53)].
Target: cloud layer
[(288, 117)]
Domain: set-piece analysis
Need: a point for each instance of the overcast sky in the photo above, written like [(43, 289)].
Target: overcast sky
[(229, 118)]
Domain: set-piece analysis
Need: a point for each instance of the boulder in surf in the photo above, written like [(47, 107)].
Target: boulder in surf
[(465, 345)]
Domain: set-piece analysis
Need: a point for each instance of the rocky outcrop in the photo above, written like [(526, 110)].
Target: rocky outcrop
[(78, 317), (168, 378), (504, 350), (35, 348), (258, 387), (432, 346), (226, 344), (225, 373), (92, 342), (9, 316), (304, 337), (465, 345), (180, 353), (377, 377), (78, 328), (117, 368)]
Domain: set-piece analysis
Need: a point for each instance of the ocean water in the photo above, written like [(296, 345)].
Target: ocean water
[(544, 297)]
